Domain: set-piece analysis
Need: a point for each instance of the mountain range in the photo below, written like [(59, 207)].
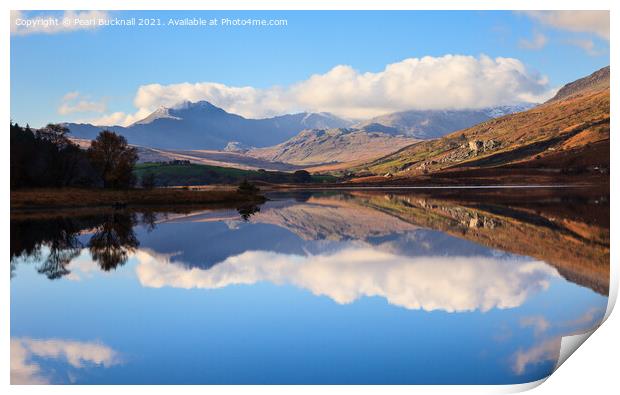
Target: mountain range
[(429, 124), (203, 126)]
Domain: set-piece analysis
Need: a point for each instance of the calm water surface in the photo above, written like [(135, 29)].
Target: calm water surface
[(339, 287)]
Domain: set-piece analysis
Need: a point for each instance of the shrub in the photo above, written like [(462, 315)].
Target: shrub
[(247, 188)]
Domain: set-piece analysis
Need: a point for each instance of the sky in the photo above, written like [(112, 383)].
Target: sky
[(355, 64)]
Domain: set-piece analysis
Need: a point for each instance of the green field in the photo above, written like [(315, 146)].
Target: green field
[(196, 174)]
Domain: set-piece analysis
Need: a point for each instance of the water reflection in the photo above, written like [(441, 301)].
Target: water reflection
[(483, 287), (451, 284), (549, 337), (29, 356), (113, 240), (52, 243)]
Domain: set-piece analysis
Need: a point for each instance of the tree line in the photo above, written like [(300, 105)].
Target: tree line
[(47, 158)]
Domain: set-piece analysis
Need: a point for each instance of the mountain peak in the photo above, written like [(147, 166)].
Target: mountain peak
[(323, 120), (180, 111), (159, 113)]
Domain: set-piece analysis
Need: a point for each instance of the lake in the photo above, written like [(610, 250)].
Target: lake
[(347, 287)]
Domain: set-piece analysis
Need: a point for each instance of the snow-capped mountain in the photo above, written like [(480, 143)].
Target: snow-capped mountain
[(161, 112), (201, 125), (426, 124)]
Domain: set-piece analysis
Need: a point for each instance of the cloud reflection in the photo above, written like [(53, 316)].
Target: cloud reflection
[(452, 284), (76, 353), (549, 348), (538, 323)]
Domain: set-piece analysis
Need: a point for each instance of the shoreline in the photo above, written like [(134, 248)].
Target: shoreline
[(30, 200)]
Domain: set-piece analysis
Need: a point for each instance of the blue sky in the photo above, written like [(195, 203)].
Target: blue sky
[(102, 69)]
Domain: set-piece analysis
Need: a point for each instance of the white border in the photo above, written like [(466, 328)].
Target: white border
[(595, 368)]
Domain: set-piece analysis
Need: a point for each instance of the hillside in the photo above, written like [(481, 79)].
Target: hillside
[(594, 82), (568, 137), (202, 125), (319, 146), (427, 124), (190, 174)]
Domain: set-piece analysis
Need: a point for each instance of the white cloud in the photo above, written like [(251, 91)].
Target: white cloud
[(452, 284), (74, 102), (23, 24), (446, 82), (596, 22), (587, 45), (76, 353), (537, 42), (118, 118)]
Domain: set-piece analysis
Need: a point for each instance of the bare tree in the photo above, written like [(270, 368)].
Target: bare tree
[(114, 159)]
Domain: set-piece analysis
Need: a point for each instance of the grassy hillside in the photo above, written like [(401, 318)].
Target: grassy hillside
[(196, 174), (568, 135)]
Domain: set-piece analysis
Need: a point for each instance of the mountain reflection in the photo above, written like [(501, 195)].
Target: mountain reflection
[(568, 230)]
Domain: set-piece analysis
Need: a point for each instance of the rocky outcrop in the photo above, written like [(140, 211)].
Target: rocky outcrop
[(483, 145)]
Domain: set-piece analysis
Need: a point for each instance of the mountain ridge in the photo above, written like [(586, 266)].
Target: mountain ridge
[(595, 81), (427, 124), (321, 146), (201, 125)]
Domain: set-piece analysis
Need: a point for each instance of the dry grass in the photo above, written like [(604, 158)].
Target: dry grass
[(74, 197)]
